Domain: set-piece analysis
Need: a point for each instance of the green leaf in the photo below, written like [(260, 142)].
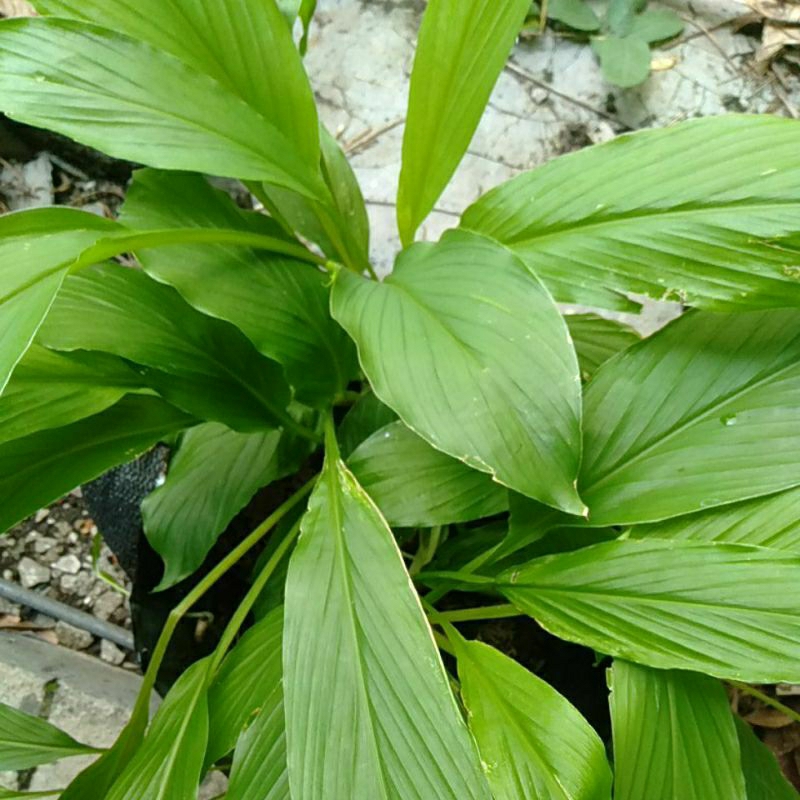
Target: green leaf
[(247, 695), (534, 744), (415, 485), (211, 478), (243, 44), (27, 741), (620, 15), (244, 684), (656, 25), (201, 364), (133, 101), (674, 736), (724, 609), (37, 469), (259, 763), (625, 60), (365, 417), (13, 794), (279, 303), (482, 369), (369, 712), (340, 228), (771, 521), (307, 10), (36, 247), (574, 13), (709, 395), (49, 390), (689, 212), (461, 51), (169, 762), (597, 339), (762, 775)]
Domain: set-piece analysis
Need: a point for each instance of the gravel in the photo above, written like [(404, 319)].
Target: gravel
[(31, 573)]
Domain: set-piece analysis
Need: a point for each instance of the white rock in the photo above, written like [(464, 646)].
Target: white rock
[(32, 574), (69, 564), (42, 514), (111, 653), (41, 544)]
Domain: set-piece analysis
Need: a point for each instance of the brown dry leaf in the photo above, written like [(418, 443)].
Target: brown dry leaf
[(781, 27), (768, 718), (16, 8)]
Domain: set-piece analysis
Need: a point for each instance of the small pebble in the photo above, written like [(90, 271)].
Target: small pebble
[(7, 607), (41, 515), (72, 637), (31, 573), (69, 564), (111, 653), (8, 574), (539, 95), (41, 544)]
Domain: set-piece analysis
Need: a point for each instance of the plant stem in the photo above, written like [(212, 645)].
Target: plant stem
[(205, 584), (443, 643), (428, 543), (766, 699), (238, 619), (484, 612), (437, 594)]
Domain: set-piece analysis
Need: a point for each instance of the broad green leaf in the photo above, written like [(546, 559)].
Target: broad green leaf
[(574, 13), (415, 485), (365, 417), (369, 711), (307, 10), (724, 609), (243, 44), (49, 390), (37, 469), (656, 25), (482, 369), (625, 60), (534, 744), (27, 741), (245, 703), (259, 763), (36, 248), (341, 227), (762, 775), (461, 51), (244, 684), (168, 764), (597, 339), (674, 736), (701, 414), (279, 303), (201, 364), (772, 521), (690, 212), (133, 101), (212, 476)]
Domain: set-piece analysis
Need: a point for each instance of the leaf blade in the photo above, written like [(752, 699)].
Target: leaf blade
[(674, 736), (716, 608), (389, 701), (453, 355), (462, 48)]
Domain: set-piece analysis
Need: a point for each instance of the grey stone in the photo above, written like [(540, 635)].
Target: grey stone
[(41, 515), (111, 653), (73, 637), (107, 603), (213, 786), (70, 564), (41, 544), (7, 607), (32, 573)]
